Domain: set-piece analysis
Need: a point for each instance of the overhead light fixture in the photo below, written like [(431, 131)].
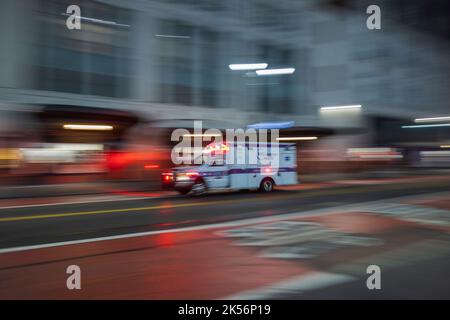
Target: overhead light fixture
[(273, 72), (88, 127), (427, 126), (445, 146), (248, 66), (296, 138), (202, 135), (340, 108), (435, 119)]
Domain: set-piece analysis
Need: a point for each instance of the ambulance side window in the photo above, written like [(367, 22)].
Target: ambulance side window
[(218, 162)]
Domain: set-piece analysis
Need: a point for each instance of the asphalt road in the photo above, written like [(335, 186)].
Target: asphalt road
[(272, 257), (421, 280), (56, 223)]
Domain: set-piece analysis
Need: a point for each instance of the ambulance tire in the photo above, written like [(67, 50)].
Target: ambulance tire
[(184, 191), (266, 185), (199, 188)]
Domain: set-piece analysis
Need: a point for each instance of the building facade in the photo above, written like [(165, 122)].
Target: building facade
[(170, 58)]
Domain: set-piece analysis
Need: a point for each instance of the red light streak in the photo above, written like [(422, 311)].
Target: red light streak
[(151, 166)]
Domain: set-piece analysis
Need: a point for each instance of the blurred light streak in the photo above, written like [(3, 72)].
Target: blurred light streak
[(353, 150), (338, 108), (296, 138), (100, 21), (435, 119), (76, 146), (202, 135), (151, 166), (272, 125), (273, 72), (374, 153), (435, 153), (427, 126), (87, 127), (248, 66)]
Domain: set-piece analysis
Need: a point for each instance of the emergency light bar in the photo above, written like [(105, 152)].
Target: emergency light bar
[(272, 125)]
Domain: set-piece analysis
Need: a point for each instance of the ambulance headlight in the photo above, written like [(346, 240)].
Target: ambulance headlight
[(187, 176), (183, 177)]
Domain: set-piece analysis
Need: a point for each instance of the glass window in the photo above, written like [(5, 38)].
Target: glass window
[(93, 60)]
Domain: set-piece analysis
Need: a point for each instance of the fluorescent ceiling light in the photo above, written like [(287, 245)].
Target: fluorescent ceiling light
[(202, 135), (351, 107), (272, 72), (427, 125), (248, 66), (445, 146), (432, 119), (88, 127), (296, 138)]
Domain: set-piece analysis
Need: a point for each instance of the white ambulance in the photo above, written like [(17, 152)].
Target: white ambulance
[(275, 165)]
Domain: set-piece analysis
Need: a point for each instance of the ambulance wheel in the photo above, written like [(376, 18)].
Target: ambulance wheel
[(198, 188), (266, 185), (183, 191)]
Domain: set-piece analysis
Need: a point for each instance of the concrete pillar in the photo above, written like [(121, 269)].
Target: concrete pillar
[(145, 59), (196, 55), (15, 20)]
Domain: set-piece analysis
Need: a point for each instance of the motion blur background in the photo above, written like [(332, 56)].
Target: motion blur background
[(141, 68)]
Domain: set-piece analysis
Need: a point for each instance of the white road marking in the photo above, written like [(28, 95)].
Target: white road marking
[(115, 199), (351, 208), (236, 223), (294, 285)]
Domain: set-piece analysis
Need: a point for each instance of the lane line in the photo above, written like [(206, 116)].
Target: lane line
[(84, 213), (167, 206), (350, 208), (77, 202), (116, 199), (236, 223), (309, 194)]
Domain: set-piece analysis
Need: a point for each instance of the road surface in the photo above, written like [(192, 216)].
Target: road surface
[(313, 240)]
